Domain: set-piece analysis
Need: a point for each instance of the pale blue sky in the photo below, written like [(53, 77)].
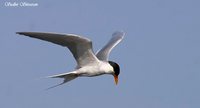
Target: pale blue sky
[(159, 56)]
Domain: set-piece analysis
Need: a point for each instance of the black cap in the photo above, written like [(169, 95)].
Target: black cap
[(115, 67)]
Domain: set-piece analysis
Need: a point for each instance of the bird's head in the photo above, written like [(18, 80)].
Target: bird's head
[(116, 69)]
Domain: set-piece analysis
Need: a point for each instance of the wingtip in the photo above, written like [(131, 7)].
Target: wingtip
[(119, 33), (20, 33), (17, 32), (24, 33)]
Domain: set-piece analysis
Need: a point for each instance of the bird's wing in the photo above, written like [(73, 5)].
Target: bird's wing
[(103, 54), (80, 47)]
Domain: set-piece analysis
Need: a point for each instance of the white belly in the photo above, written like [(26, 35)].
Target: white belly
[(95, 70)]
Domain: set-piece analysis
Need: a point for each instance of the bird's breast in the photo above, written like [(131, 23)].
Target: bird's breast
[(95, 70)]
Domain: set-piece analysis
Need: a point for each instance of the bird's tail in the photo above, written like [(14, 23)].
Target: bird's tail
[(67, 77)]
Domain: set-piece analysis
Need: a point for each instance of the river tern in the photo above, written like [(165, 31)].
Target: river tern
[(89, 64)]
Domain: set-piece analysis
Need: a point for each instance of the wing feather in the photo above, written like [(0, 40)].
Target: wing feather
[(80, 47), (103, 54)]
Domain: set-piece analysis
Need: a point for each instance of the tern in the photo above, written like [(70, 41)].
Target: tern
[(89, 64)]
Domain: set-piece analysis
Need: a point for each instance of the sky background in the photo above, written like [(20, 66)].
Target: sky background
[(159, 56)]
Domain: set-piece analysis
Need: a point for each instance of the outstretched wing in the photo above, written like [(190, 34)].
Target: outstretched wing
[(80, 47), (103, 54)]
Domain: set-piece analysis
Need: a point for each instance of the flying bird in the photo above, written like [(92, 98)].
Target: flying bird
[(89, 64)]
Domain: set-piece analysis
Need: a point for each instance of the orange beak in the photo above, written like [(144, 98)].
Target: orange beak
[(116, 79)]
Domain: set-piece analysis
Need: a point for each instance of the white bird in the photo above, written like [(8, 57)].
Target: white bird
[(88, 64)]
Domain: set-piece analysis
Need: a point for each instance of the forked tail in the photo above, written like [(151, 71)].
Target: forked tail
[(67, 77)]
